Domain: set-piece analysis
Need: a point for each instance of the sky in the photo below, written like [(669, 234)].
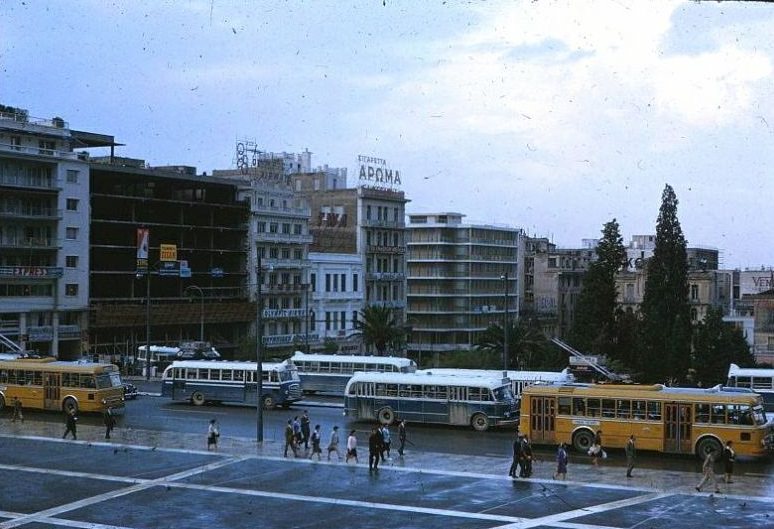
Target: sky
[(555, 117)]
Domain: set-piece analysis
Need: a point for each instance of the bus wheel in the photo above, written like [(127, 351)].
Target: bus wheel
[(69, 405), (706, 445), (268, 402), (479, 422), (197, 398), (386, 415), (582, 441)]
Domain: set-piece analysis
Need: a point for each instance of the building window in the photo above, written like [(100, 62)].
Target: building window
[(694, 292), (368, 212), (71, 233), (286, 228), (335, 282), (286, 253), (395, 214), (343, 283), (354, 319), (327, 321), (296, 229), (274, 253), (313, 282), (72, 204), (261, 227), (16, 143), (71, 261), (327, 282), (354, 283), (273, 227), (298, 254), (46, 147), (343, 316), (72, 176), (71, 289)]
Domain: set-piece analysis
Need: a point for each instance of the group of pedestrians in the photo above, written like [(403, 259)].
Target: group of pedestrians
[(727, 457), (522, 457)]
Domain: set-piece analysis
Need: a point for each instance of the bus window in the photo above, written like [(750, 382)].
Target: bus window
[(593, 407), (718, 414), (381, 390), (623, 409), (226, 374), (404, 390), (565, 406), (742, 382), (190, 373), (579, 406), (204, 374), (654, 411), (608, 408), (239, 376), (87, 381), (702, 413), (214, 374), (639, 410), (761, 382), (392, 390)]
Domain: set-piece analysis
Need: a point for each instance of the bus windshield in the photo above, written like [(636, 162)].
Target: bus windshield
[(503, 393), (108, 380), (759, 416)]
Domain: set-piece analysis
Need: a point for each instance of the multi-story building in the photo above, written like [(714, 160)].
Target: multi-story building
[(44, 234), (363, 222), (337, 299), (279, 246), (460, 277), (543, 305), (200, 293)]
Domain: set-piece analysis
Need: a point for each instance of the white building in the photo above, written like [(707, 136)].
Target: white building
[(44, 234), (338, 296)]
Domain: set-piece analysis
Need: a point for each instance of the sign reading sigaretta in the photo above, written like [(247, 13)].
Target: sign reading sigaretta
[(375, 173)]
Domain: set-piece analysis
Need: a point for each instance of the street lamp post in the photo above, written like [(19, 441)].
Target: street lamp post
[(201, 314), (306, 325), (504, 277), (147, 324), (259, 346)]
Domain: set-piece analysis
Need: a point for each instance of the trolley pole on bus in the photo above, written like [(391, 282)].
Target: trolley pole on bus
[(259, 345), (504, 277)]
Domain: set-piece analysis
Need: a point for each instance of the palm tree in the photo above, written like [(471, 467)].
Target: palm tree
[(378, 327), (525, 340)]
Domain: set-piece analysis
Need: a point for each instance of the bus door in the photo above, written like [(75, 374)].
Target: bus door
[(541, 416), (178, 382), (677, 427), (51, 384)]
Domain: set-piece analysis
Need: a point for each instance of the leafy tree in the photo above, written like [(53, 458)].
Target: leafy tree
[(330, 346), (378, 327), (527, 346), (626, 342), (666, 316), (593, 329), (717, 345)]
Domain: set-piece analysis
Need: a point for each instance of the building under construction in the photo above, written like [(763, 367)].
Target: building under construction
[(199, 293)]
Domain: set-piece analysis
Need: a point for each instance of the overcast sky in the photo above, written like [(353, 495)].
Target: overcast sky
[(551, 116)]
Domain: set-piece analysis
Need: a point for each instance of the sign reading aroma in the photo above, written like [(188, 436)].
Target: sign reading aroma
[(374, 173)]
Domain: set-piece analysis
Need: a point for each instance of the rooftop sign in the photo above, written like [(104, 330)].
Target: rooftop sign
[(374, 173)]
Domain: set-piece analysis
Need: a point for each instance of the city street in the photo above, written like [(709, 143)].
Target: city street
[(155, 472)]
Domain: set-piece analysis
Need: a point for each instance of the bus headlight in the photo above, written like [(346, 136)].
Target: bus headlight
[(104, 401)]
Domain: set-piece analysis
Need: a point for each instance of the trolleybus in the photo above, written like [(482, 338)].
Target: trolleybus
[(50, 384), (330, 373), (757, 379), (479, 402), (663, 419), (200, 381)]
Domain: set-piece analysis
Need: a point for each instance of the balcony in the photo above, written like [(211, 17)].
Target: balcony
[(285, 288), (284, 263), (31, 272), (385, 249), (388, 304), (385, 276), (22, 149), (281, 314), (291, 238), (390, 224), (35, 243), (26, 212), (27, 181), (290, 212)]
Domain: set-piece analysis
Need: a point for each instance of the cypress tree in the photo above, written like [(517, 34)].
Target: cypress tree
[(593, 329), (666, 313)]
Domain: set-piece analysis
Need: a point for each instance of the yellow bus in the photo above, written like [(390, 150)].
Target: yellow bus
[(49, 384), (663, 419)]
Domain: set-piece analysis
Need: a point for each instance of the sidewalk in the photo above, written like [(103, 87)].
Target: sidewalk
[(579, 472)]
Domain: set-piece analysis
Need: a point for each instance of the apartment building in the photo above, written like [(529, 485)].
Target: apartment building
[(44, 234), (461, 279)]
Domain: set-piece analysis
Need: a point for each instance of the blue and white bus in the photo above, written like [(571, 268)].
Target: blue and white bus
[(330, 373), (518, 379), (759, 380), (477, 401), (200, 381)]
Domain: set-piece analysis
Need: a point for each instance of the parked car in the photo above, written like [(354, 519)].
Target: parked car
[(130, 391)]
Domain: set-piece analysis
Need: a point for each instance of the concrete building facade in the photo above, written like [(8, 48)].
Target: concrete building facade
[(459, 278), (44, 234)]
